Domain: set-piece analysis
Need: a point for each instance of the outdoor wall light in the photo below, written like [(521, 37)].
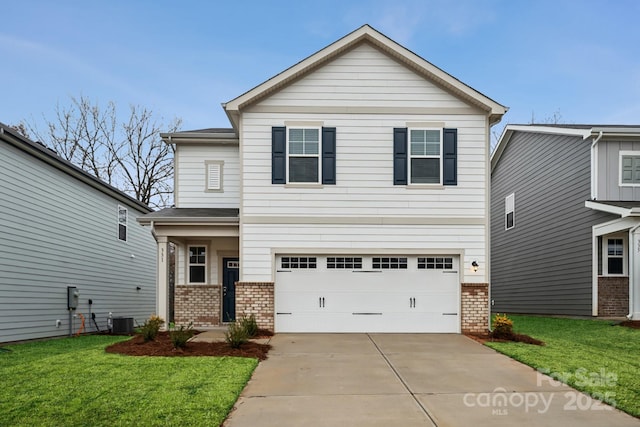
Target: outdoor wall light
[(474, 266)]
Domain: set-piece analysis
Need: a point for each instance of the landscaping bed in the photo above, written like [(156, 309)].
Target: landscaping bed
[(162, 346)]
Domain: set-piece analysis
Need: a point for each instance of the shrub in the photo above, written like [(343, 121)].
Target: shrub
[(236, 335), (151, 328), (502, 327), (180, 336), (249, 325)]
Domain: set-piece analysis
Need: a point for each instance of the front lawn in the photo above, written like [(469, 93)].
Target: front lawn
[(73, 382), (590, 355)]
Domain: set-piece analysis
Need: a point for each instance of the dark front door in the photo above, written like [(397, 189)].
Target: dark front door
[(230, 275)]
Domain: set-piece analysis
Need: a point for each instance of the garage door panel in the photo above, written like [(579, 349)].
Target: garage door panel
[(359, 300)]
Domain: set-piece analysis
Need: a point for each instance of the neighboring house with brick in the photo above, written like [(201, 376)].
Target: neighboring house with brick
[(350, 195), (565, 218), (64, 231)]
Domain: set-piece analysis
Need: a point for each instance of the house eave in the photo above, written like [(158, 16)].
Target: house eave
[(612, 209), (366, 34), (228, 138)]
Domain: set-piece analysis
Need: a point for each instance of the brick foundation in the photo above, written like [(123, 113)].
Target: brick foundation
[(475, 307), (256, 298), (199, 304), (613, 296)]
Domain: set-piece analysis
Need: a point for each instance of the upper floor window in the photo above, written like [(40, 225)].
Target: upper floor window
[(122, 223), (630, 168), (214, 175), (197, 264), (509, 211), (425, 156), (303, 149)]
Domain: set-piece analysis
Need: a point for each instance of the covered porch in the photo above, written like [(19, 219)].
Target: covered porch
[(198, 264), (616, 261)]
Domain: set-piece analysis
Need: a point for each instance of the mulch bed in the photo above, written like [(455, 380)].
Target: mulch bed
[(635, 324), (483, 338), (162, 346)]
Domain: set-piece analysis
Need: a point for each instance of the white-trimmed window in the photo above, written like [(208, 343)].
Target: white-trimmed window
[(510, 211), (303, 154), (630, 168), (425, 156), (213, 170), (122, 223), (197, 263), (614, 256)]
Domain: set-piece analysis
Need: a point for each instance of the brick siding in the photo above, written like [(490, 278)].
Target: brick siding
[(199, 304), (256, 298), (613, 296), (475, 307)]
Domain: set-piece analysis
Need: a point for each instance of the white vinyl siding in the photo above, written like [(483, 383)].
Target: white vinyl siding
[(363, 77), (58, 232), (260, 240), (510, 211), (192, 177)]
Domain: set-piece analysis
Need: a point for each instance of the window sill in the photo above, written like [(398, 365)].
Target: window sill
[(303, 185), (618, 276), (425, 187)]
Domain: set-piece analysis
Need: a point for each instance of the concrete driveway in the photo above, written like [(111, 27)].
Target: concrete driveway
[(406, 380)]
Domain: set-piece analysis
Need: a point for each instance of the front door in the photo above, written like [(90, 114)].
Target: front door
[(230, 275)]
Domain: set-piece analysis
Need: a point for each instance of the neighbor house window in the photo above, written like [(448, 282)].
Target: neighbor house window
[(197, 264), (615, 256), (630, 168), (509, 211), (214, 175), (425, 156), (303, 154), (122, 223)]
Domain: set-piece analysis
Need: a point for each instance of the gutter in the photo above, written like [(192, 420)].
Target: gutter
[(631, 267), (594, 168)]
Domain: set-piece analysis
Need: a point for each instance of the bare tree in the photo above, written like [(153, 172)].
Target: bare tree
[(128, 155)]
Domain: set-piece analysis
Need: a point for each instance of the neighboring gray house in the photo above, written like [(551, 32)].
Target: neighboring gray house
[(565, 218), (62, 227)]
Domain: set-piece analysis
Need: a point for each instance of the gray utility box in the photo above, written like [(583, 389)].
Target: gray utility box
[(122, 325)]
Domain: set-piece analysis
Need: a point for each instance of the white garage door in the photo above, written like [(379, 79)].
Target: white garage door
[(368, 293)]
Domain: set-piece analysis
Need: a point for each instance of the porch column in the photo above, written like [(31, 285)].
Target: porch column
[(634, 269), (162, 278)]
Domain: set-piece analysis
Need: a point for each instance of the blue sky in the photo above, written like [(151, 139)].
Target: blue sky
[(580, 58)]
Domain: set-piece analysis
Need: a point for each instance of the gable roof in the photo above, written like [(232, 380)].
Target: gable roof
[(369, 35), (583, 131), (45, 154)]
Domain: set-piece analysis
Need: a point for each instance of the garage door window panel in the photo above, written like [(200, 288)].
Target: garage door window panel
[(389, 263), (298, 262), (351, 263), (435, 263)]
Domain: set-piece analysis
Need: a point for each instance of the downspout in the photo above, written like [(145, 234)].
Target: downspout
[(631, 268), (594, 168)]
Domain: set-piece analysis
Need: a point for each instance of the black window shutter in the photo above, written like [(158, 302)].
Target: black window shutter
[(278, 155), (450, 157), (329, 156), (400, 156)]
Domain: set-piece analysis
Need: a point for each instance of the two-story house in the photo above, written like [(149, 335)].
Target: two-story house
[(565, 206), (350, 195), (64, 232)]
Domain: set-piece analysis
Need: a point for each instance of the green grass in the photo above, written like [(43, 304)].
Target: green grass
[(73, 382), (590, 355)]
